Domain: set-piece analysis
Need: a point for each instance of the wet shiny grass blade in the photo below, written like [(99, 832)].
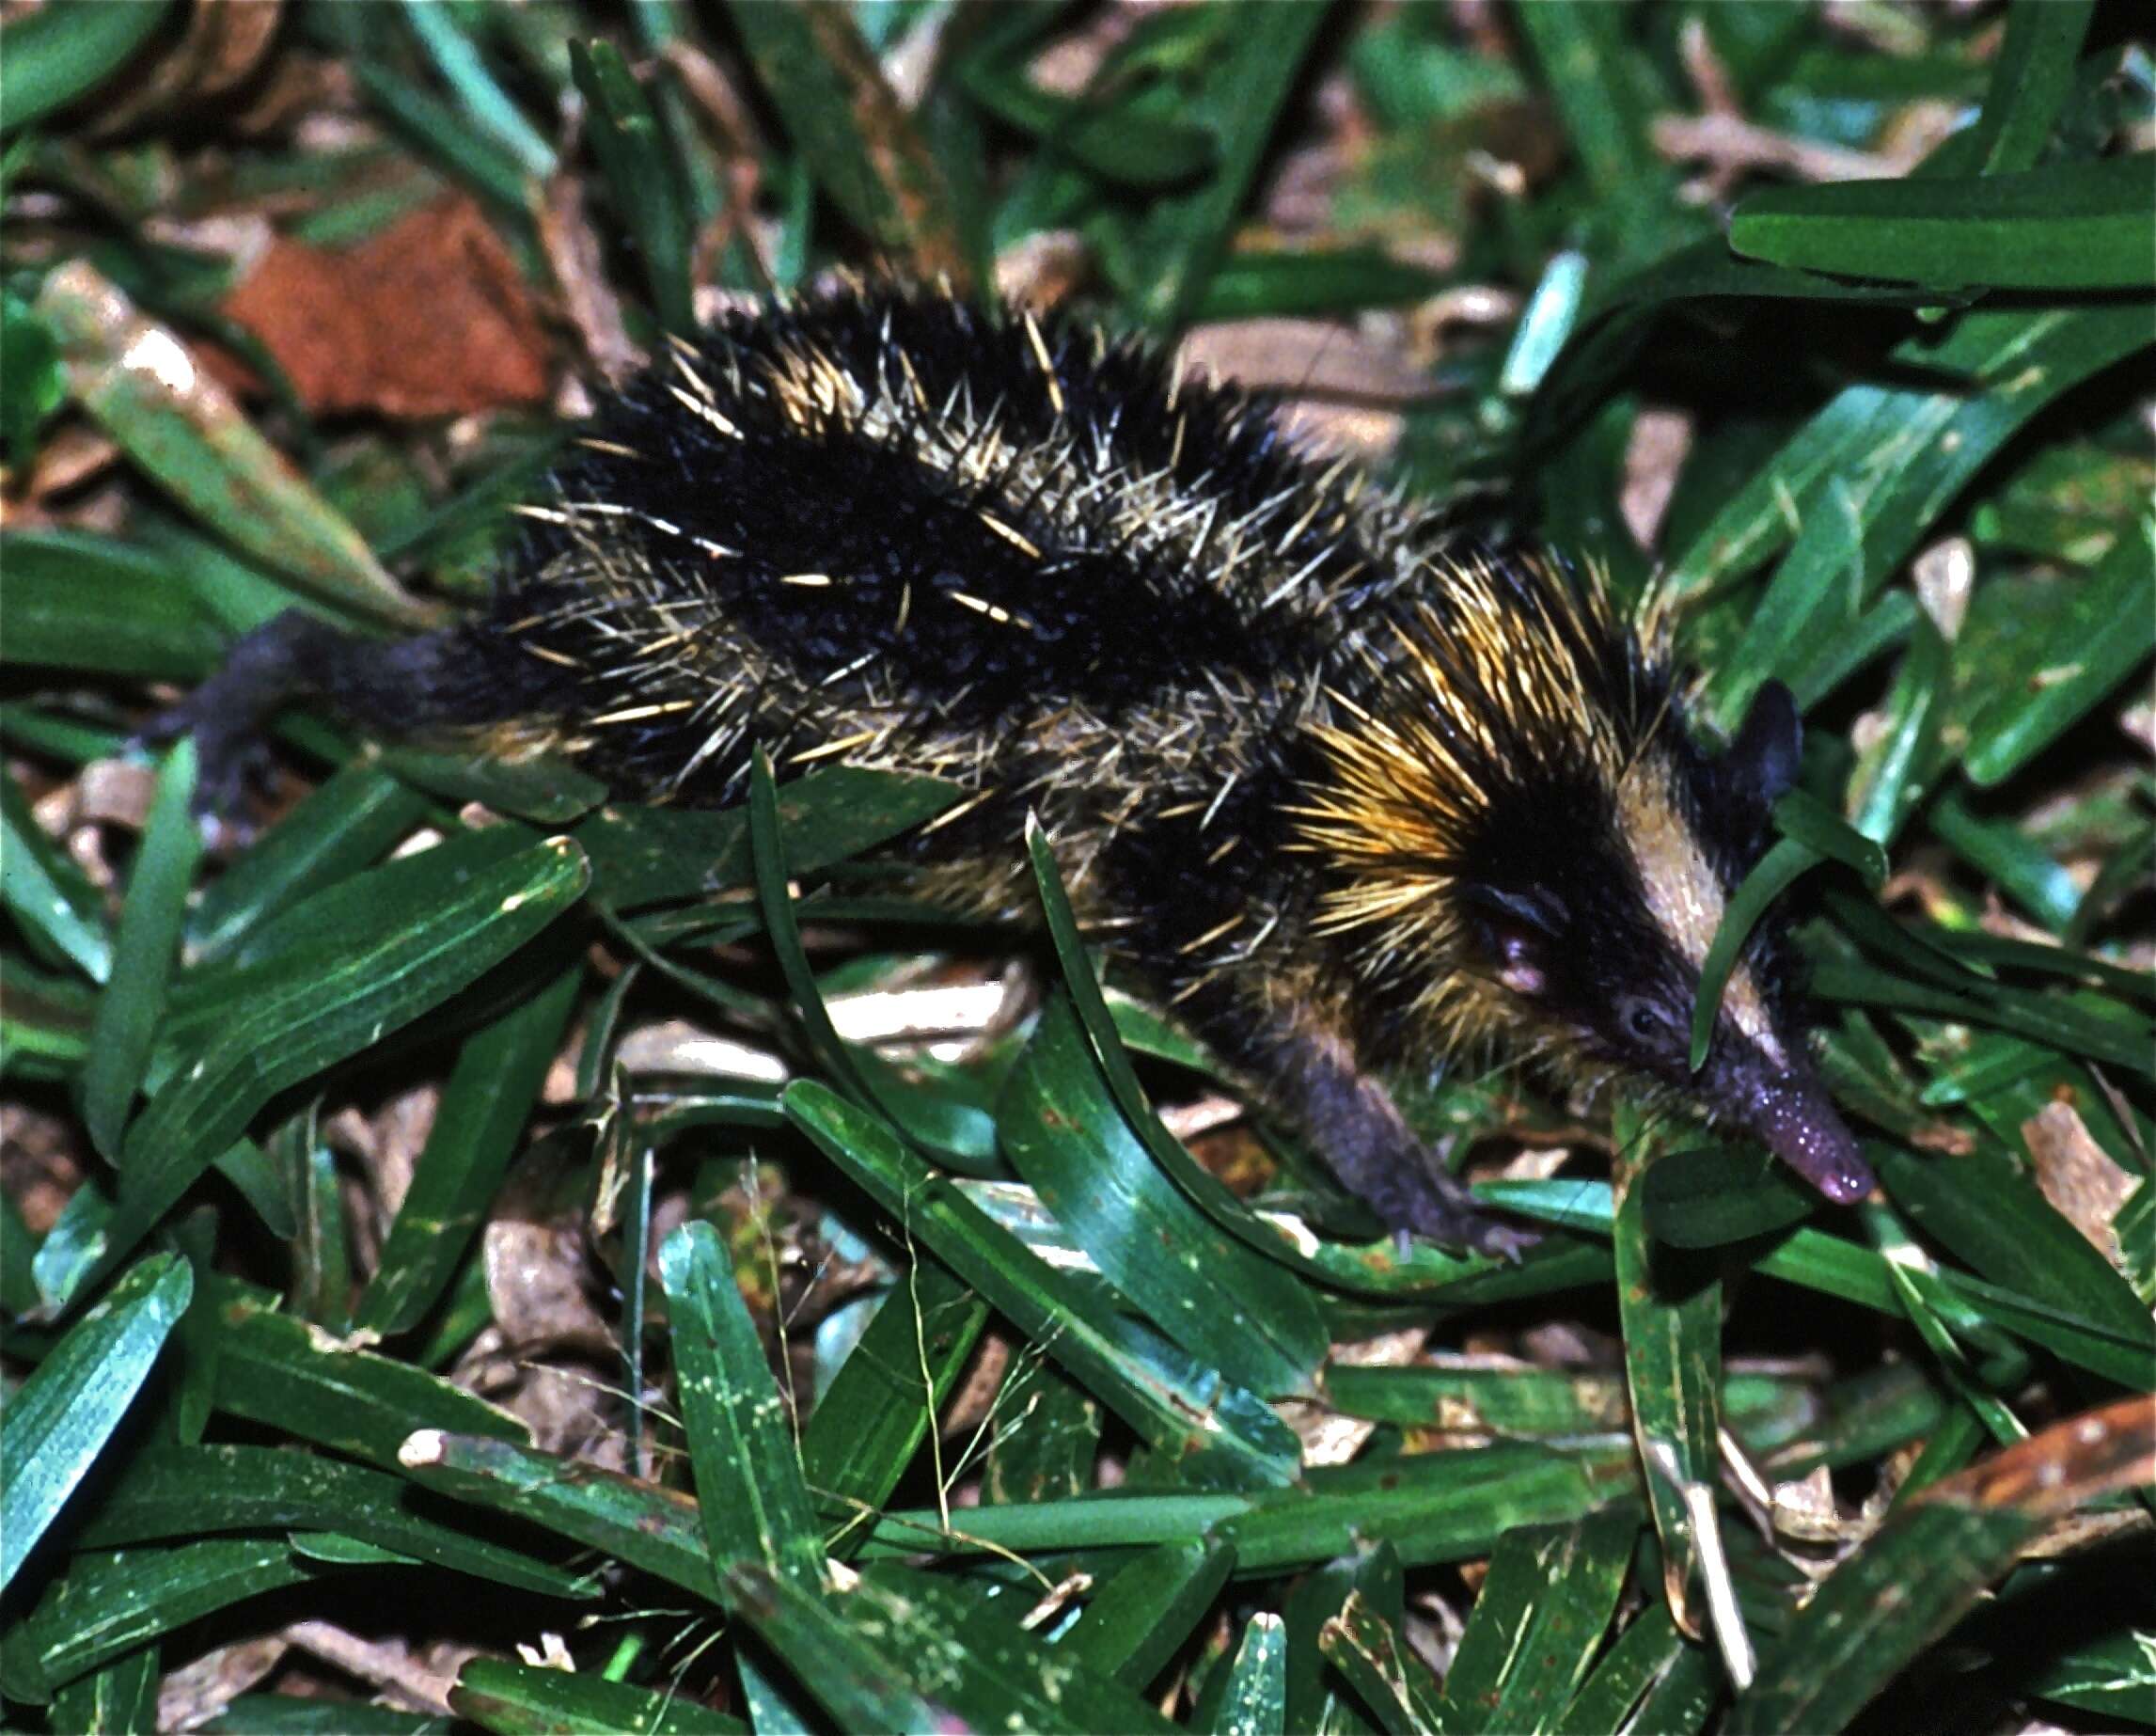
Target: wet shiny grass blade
[(865, 1678), (1815, 1260), (1000, 1676), (750, 1488), (1903, 1589), (1048, 1441), (1203, 1189), (1229, 1306), (58, 1420), (1241, 1442), (1648, 1664), (644, 856), (547, 791), (293, 1714), (1986, 1212), (2114, 1678), (1854, 490), (865, 1075), (1427, 1507), (1513, 1400), (1430, 1507), (121, 1699), (1770, 876), (1315, 1699)]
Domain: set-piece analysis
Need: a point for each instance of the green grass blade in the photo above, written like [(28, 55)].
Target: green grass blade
[(1203, 1189), (286, 1375), (1001, 1675), (750, 1488), (347, 824), (1984, 1211), (645, 856), (636, 158), (2072, 226), (2032, 76), (1138, 1619), (528, 1699), (193, 1490), (1770, 878), (78, 601), (1648, 1657), (1882, 1606), (1257, 54), (1390, 1679), (143, 952), (1581, 47), (145, 387), (639, 1523), (121, 1699), (464, 66), (1253, 1695), (2109, 629), (1670, 1308), (864, 1677), (44, 889), (53, 56), (1226, 1304), (1538, 1623), (843, 118), (59, 1420), (110, 1603), (484, 1106), (889, 1392), (1244, 1442), (298, 1026)]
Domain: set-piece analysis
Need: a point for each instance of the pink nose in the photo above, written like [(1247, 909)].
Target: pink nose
[(1801, 1126)]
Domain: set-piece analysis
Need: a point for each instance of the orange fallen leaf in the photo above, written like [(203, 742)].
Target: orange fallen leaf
[(427, 318)]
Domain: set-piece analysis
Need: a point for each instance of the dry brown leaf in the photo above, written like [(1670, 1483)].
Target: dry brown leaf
[(2082, 1181), (428, 318)]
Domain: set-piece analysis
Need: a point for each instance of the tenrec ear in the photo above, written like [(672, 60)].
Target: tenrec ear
[(1516, 931), (1762, 761)]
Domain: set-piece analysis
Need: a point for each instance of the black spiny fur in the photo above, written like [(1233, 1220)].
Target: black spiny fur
[(1348, 792)]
